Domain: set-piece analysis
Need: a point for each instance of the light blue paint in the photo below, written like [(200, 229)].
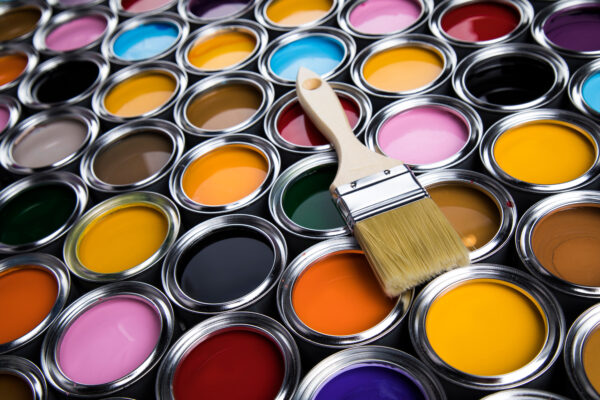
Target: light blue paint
[(145, 41), (319, 53), (591, 91)]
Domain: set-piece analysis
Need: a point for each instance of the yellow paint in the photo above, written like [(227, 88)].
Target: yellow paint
[(486, 327), (122, 238), (221, 50), (545, 152), (140, 94), (403, 68), (225, 175), (295, 13)]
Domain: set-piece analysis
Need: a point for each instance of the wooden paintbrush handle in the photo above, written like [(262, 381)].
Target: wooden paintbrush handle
[(323, 107)]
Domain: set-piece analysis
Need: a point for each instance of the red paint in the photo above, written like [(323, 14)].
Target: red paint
[(296, 128), (477, 22), (231, 364)]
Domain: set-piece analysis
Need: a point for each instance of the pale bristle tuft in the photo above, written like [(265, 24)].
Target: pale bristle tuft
[(410, 245)]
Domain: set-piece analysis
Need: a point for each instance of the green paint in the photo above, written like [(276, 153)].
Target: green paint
[(308, 203), (35, 213)]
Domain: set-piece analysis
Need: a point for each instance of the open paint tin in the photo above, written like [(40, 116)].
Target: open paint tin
[(287, 15), (131, 8), (584, 89), (19, 19), (10, 112), (16, 61), (200, 12), (122, 237), (472, 344), (21, 379), (108, 341), (523, 394), (262, 362), (72, 4), (370, 369)]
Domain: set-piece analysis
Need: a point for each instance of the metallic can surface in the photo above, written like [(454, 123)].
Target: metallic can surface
[(582, 89), (201, 12), (23, 52), (262, 11), (40, 8), (13, 108), (27, 371)]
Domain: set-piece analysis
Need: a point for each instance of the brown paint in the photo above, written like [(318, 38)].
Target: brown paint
[(18, 22), (13, 387), (224, 107), (567, 243), (133, 158)]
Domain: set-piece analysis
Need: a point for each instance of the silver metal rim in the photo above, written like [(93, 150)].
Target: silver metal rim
[(28, 371), (264, 62), (117, 8), (535, 368), (72, 181), (343, 90), (57, 269), (343, 20), (164, 17), (195, 235), (184, 11), (160, 67), (246, 78), (523, 8), (576, 88), (134, 290), (32, 60), (79, 114), (59, 5), (523, 239), (241, 25), (45, 13), (260, 14), (457, 107), (152, 200), (529, 53), (39, 38), (259, 323), (486, 150), (295, 324), (523, 394), (427, 42), (492, 189), (331, 366), (28, 87), (251, 141), (14, 111)]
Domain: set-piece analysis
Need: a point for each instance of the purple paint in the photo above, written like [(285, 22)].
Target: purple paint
[(76, 33), (575, 28), (4, 117), (384, 16), (373, 382), (213, 9)]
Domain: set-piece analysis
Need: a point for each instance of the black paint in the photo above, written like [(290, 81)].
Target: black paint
[(67, 80)]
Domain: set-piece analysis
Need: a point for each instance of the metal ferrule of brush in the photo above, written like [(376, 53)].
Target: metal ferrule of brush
[(378, 193)]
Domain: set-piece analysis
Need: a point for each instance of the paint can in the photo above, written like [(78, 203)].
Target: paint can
[(584, 89), (50, 140), (133, 156), (228, 102), (280, 16), (10, 112), (16, 61), (145, 38), (581, 354), (202, 12), (224, 174), (19, 19), (475, 350), (427, 132), (109, 341), (36, 211), (143, 90), (327, 313), (132, 8), (262, 360), (72, 4), (73, 30), (202, 276), (289, 128), (510, 77), (380, 371), (35, 288), (524, 394), (65, 80), (480, 209), (222, 46), (564, 158), (122, 238), (21, 378)]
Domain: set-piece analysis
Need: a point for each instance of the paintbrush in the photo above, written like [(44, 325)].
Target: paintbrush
[(403, 233)]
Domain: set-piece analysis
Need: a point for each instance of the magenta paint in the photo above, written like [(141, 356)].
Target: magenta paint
[(4, 117), (76, 33), (109, 340), (384, 16), (423, 135)]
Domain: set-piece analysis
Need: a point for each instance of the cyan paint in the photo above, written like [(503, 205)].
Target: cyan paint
[(145, 41), (319, 53), (591, 91)]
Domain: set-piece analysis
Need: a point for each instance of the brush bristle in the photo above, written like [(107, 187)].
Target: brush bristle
[(410, 245)]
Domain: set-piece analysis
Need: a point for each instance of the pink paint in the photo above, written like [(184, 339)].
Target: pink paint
[(76, 33), (384, 16), (139, 6), (109, 340), (4, 117), (423, 135)]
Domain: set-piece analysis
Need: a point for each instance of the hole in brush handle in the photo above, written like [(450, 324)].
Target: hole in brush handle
[(311, 84)]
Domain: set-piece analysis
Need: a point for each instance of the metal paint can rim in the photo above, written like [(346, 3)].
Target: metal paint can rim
[(576, 88), (117, 7), (32, 61), (184, 10), (28, 371), (59, 5), (14, 110), (523, 394), (260, 14), (45, 13)]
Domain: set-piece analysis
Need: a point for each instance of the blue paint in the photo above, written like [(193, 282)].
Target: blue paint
[(319, 53), (371, 382), (145, 41), (591, 91)]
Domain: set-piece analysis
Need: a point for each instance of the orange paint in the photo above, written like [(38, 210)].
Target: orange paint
[(27, 294), (339, 295), (11, 67)]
